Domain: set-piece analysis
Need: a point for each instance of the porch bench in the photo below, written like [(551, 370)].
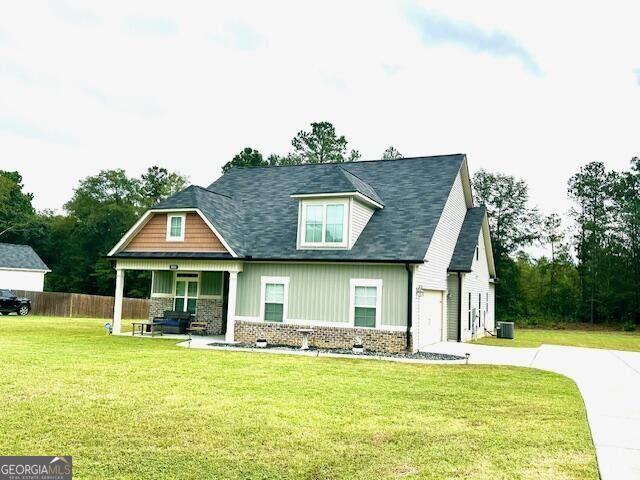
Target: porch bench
[(197, 327), (174, 322)]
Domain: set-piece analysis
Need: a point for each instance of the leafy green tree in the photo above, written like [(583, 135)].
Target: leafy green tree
[(625, 208), (513, 225), (391, 153), (158, 183), (553, 235), (590, 189), (248, 157), (536, 300), (16, 210), (322, 145), (102, 209)]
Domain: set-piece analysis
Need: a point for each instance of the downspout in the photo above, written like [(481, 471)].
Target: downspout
[(459, 307), (409, 303)]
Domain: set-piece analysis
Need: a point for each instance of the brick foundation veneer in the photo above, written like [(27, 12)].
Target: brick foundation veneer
[(322, 337), (209, 310), (158, 305)]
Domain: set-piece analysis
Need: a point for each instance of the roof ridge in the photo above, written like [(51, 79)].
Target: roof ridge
[(16, 244), (351, 173), (375, 192), (380, 160), (211, 191)]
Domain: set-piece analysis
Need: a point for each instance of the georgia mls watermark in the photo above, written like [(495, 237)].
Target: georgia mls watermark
[(35, 468)]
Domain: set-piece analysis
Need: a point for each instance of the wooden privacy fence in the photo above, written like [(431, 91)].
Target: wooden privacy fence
[(56, 304)]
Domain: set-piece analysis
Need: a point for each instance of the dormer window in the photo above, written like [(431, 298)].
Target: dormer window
[(175, 227), (335, 207), (324, 222)]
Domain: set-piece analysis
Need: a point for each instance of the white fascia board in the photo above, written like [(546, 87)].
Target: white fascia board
[(37, 270), (358, 195), (215, 230), (487, 246), (133, 230), (466, 182), (143, 220)]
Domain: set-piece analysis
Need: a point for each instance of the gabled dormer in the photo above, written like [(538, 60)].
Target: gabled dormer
[(334, 207)]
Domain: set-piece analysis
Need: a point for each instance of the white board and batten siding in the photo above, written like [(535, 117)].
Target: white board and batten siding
[(17, 279), (360, 215), (432, 275), (452, 307), (430, 278), (477, 283)]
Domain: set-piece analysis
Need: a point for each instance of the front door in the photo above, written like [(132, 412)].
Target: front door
[(186, 293), (430, 326)]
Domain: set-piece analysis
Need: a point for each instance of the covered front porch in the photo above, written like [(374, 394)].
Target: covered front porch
[(203, 290)]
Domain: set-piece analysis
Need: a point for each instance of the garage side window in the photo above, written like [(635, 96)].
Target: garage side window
[(366, 302)]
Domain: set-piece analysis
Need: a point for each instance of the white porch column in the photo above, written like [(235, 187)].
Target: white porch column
[(117, 305), (231, 306)]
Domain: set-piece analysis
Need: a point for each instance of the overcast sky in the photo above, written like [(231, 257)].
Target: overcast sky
[(533, 89)]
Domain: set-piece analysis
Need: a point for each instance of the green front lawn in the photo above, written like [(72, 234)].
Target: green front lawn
[(143, 408), (533, 337)]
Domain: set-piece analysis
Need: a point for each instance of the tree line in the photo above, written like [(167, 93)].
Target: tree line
[(591, 272), (74, 243), (320, 144)]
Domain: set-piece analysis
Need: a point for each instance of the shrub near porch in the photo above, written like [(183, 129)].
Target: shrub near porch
[(143, 408)]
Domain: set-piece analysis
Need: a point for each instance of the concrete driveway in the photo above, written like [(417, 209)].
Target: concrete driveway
[(609, 381)]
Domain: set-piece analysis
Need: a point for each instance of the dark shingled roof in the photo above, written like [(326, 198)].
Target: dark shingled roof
[(20, 256), (336, 179), (462, 258), (222, 211), (253, 211)]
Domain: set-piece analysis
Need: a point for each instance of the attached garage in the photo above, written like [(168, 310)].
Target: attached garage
[(431, 316)]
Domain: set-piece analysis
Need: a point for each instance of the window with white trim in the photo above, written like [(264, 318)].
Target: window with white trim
[(274, 298), (186, 297), (366, 302), (274, 302), (175, 227), (333, 232), (324, 223), (313, 223)]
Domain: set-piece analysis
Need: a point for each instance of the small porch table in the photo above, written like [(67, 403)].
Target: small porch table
[(149, 327)]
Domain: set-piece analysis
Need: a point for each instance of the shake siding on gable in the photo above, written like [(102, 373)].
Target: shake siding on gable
[(432, 274), (360, 215), (198, 237)]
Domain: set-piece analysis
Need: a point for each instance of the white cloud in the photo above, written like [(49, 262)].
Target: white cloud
[(190, 85)]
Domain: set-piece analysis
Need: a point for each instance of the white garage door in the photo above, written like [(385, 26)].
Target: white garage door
[(430, 326)]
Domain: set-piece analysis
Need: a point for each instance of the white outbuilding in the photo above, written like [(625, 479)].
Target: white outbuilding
[(21, 268)]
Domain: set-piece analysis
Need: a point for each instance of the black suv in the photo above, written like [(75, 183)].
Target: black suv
[(10, 303)]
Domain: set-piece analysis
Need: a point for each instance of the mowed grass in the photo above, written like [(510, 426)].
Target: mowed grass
[(534, 337), (143, 408)]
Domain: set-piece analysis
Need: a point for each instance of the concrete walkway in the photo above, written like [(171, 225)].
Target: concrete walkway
[(609, 381)]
